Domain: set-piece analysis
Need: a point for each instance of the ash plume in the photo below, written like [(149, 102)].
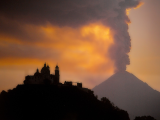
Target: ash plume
[(74, 13)]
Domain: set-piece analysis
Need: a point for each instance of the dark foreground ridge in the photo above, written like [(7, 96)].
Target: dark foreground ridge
[(52, 102)]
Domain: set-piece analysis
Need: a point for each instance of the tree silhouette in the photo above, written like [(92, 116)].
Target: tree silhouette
[(144, 118), (51, 102), (107, 102)]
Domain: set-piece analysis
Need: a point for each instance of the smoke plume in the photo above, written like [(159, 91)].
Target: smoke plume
[(75, 13)]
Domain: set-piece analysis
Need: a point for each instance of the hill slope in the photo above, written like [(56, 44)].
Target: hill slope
[(49, 102), (131, 94)]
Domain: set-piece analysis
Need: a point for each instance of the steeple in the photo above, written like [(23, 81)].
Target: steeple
[(57, 74), (36, 73), (37, 70), (56, 68), (45, 64)]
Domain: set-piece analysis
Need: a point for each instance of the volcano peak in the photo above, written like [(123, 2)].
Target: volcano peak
[(128, 92)]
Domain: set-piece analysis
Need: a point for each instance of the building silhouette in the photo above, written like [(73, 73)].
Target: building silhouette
[(43, 77)]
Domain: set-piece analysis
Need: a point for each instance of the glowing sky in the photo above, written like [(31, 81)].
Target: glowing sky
[(82, 52), (144, 32)]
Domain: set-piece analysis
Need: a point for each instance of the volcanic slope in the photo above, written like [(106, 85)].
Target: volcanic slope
[(129, 93)]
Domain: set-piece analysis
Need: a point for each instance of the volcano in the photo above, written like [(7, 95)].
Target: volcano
[(128, 92)]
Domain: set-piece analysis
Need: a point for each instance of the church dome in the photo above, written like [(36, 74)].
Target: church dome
[(45, 69)]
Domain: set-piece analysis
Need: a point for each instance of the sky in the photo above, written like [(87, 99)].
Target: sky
[(144, 32), (89, 40)]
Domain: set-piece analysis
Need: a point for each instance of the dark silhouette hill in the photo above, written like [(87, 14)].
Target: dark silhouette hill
[(52, 102), (131, 94), (145, 118)]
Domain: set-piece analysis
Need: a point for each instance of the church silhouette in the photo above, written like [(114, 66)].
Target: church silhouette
[(44, 77)]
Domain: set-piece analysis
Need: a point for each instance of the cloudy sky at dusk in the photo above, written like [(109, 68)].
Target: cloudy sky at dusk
[(88, 39)]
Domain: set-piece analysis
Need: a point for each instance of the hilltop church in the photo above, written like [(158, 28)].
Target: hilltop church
[(44, 77)]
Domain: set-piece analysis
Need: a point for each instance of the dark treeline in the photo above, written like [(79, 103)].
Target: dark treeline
[(48, 102), (145, 118)]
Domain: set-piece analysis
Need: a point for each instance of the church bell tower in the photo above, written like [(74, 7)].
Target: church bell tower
[(57, 74)]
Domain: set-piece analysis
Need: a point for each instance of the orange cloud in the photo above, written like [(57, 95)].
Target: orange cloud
[(139, 5), (86, 47), (82, 52), (128, 10)]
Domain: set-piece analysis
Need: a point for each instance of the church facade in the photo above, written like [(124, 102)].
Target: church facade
[(43, 77)]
